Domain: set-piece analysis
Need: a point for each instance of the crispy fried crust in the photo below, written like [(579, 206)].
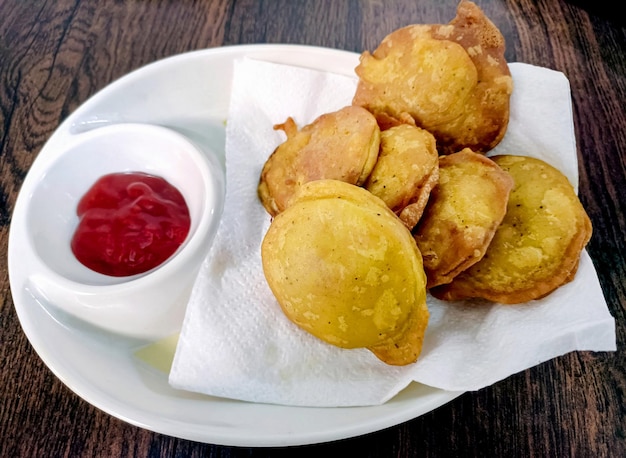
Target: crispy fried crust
[(537, 247), (406, 171), (462, 216), (451, 80), (342, 145), (344, 268)]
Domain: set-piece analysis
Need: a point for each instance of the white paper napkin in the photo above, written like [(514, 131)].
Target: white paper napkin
[(236, 342)]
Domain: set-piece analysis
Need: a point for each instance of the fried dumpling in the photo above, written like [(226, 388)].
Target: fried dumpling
[(452, 80), (537, 247), (405, 172), (342, 145), (464, 211), (344, 268)]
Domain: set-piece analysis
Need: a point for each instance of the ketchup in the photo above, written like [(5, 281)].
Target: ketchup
[(129, 223)]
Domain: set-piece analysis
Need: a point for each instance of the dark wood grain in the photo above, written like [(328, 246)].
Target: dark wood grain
[(55, 54)]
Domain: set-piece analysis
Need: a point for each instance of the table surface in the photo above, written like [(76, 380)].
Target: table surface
[(55, 54)]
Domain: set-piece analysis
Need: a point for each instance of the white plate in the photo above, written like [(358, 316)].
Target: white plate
[(190, 93)]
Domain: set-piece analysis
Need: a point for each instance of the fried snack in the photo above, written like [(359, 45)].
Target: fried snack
[(406, 171), (537, 247), (462, 216), (342, 145), (343, 267), (451, 80)]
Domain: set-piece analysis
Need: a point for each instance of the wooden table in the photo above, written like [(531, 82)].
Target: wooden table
[(55, 54)]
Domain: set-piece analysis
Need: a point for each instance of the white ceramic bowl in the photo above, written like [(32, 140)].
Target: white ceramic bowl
[(148, 305)]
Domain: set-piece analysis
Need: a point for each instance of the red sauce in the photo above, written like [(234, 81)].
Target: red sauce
[(129, 224)]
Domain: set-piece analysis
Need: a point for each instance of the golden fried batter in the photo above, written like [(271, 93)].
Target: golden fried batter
[(406, 171), (342, 145), (343, 267), (537, 247), (462, 216), (451, 80)]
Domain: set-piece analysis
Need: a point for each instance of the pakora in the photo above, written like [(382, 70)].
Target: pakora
[(342, 145), (343, 267), (536, 248), (405, 172), (463, 213), (450, 79)]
